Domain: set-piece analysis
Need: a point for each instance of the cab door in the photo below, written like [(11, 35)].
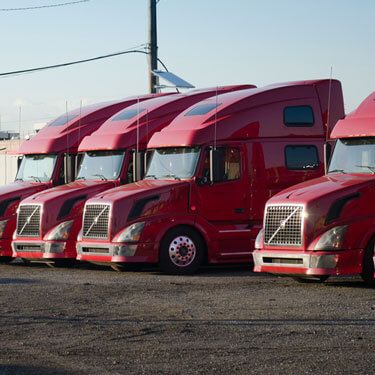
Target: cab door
[(225, 201)]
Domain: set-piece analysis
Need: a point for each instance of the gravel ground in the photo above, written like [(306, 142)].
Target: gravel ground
[(224, 320)]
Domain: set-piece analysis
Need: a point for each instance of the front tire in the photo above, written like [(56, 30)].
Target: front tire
[(368, 264), (181, 251)]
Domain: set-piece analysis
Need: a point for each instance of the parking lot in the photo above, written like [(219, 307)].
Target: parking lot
[(92, 320)]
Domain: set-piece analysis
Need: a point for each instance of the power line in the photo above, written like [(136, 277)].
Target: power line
[(48, 67), (43, 6)]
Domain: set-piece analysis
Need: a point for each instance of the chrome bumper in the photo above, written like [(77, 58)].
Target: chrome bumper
[(294, 260)]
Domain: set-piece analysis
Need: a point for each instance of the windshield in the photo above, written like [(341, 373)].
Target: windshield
[(355, 155), (101, 165), (178, 163), (37, 168)]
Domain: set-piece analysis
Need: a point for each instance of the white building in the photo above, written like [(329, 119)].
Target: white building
[(8, 160)]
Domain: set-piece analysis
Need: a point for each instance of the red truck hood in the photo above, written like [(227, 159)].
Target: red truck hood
[(332, 184), (330, 200), (21, 189), (63, 192), (65, 202), (139, 189), (155, 197)]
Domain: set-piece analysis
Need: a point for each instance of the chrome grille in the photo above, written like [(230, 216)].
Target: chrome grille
[(28, 220), (283, 225), (96, 220)]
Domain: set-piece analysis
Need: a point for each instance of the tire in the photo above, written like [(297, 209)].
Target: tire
[(316, 279), (368, 264), (182, 251), (6, 259)]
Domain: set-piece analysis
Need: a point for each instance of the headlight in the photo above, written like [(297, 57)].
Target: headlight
[(131, 233), (259, 239), (332, 239), (3, 224), (61, 232)]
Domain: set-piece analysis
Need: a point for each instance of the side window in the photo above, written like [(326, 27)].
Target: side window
[(227, 164), (301, 157), (301, 115)]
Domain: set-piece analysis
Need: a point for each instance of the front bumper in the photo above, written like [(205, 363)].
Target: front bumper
[(299, 263), (115, 252), (29, 249)]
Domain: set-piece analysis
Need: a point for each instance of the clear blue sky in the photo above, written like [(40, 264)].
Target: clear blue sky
[(207, 42)]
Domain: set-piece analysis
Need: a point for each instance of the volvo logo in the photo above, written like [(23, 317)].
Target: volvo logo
[(283, 224)]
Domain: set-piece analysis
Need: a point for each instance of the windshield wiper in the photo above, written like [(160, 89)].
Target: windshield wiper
[(151, 176), (372, 169), (337, 171), (37, 179), (101, 176), (81, 178), (18, 179), (173, 176)]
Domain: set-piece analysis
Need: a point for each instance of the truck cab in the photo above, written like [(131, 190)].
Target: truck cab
[(48, 159), (209, 175), (111, 156), (326, 226)]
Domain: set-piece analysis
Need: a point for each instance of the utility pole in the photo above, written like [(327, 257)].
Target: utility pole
[(152, 46)]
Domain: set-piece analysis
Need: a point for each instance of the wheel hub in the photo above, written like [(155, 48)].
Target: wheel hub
[(182, 251)]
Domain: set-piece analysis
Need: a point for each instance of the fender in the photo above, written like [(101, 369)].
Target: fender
[(368, 234)]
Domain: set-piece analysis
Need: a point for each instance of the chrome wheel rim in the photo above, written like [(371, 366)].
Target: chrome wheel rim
[(182, 251)]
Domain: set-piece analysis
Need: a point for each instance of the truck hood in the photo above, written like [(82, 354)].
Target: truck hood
[(332, 184), (21, 189), (65, 202), (331, 200), (72, 190), (144, 198)]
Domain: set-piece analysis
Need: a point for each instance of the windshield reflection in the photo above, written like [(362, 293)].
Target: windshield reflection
[(101, 165), (178, 163)]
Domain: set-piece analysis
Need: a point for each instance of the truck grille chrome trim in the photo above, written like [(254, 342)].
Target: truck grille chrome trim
[(96, 221), (28, 220), (283, 225)]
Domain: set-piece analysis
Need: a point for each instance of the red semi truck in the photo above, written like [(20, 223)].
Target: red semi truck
[(49, 159), (48, 223), (210, 173), (326, 226)]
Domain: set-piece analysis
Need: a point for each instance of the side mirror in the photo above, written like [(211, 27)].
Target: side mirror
[(327, 155), (138, 165), (201, 181)]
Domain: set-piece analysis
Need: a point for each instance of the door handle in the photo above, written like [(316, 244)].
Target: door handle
[(239, 210)]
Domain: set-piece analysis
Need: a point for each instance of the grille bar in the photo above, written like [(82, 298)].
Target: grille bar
[(96, 221), (283, 225), (28, 221)]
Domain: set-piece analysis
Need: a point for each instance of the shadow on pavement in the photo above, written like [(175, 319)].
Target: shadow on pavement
[(9, 281), (23, 370)]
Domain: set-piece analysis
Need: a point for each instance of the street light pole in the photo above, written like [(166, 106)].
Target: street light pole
[(153, 46)]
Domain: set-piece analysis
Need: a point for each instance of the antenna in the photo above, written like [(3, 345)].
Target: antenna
[(329, 104), (138, 109), (213, 150), (67, 172), (79, 136), (327, 146), (19, 124), (215, 125), (145, 153), (135, 154)]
